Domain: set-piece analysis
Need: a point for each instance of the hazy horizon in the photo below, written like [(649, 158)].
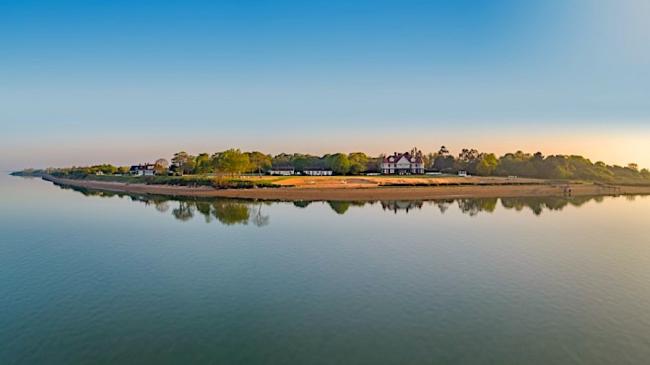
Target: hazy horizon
[(127, 82), (89, 155)]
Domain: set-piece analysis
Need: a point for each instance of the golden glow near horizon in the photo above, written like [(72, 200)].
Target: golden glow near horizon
[(610, 148)]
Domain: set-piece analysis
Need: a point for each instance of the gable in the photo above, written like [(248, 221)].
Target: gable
[(403, 161)]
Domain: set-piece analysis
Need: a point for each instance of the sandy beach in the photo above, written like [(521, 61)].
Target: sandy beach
[(354, 192)]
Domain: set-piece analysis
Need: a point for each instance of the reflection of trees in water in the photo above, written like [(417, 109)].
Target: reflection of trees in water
[(232, 211), (89, 192), (443, 205), (204, 209), (538, 204), (399, 205), (161, 206), (340, 207), (258, 218), (183, 212), (474, 206), (301, 203), (228, 212)]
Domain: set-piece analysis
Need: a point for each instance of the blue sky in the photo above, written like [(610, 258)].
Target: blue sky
[(127, 81)]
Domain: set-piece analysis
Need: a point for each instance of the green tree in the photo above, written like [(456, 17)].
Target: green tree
[(519, 164), (300, 161), (467, 160), (374, 163), (444, 163), (202, 164), (105, 169), (358, 162), (282, 159), (428, 159), (232, 161), (487, 164), (258, 161), (339, 163), (184, 161)]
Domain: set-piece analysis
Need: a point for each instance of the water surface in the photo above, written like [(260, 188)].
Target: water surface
[(98, 278)]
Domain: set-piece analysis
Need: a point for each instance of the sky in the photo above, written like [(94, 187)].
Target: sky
[(84, 82)]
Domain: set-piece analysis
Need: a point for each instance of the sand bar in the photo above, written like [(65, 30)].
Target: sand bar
[(360, 193)]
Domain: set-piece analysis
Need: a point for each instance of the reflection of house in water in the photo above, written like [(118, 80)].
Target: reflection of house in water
[(396, 205), (233, 211)]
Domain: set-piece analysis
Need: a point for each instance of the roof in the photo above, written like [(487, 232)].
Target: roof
[(281, 168), (146, 166), (398, 156)]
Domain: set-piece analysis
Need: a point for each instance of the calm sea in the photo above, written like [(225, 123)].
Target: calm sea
[(90, 278)]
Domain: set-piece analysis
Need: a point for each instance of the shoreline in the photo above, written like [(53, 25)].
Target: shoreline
[(360, 193)]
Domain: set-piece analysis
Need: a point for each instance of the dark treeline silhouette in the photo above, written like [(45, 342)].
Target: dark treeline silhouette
[(234, 161)]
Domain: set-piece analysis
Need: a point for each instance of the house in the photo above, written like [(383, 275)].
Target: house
[(397, 205), (317, 171), (282, 171), (403, 164), (462, 173), (147, 169)]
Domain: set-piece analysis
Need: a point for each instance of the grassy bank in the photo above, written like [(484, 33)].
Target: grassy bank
[(217, 182), (350, 192), (319, 182)]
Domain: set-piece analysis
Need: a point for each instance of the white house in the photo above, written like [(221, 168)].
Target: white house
[(403, 164), (317, 172), (281, 171), (147, 169)]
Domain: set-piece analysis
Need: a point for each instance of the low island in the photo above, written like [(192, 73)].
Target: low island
[(362, 188), (407, 176)]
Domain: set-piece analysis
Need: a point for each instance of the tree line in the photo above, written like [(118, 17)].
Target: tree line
[(236, 162), (520, 164), (536, 165)]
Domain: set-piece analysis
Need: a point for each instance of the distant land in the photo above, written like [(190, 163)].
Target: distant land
[(233, 173)]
